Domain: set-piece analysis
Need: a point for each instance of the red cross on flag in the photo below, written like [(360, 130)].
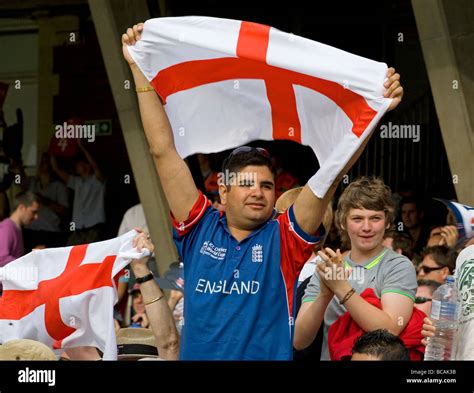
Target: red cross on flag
[(225, 83), (64, 297)]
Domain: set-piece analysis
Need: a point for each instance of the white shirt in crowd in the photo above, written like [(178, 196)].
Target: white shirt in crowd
[(133, 218), (309, 268), (88, 206)]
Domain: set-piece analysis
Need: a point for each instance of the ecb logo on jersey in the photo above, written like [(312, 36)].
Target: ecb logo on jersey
[(257, 253)]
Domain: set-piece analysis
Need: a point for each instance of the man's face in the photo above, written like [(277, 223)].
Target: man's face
[(426, 271), (410, 215), (250, 199), (365, 228), (424, 291), (28, 214)]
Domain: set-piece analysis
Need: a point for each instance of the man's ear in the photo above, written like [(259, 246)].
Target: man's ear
[(223, 191), (446, 272)]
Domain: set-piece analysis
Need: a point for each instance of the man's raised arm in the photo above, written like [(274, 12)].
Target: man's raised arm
[(308, 208), (178, 184)]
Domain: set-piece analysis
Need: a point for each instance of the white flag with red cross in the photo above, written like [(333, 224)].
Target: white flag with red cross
[(64, 297), (225, 83)]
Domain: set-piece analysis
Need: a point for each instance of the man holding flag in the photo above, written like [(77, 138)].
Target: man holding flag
[(240, 268)]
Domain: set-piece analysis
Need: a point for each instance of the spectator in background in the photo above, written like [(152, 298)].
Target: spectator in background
[(379, 345), (399, 242), (139, 317), (53, 197), (443, 235), (424, 295), (413, 224), (88, 214), (25, 211), (437, 264)]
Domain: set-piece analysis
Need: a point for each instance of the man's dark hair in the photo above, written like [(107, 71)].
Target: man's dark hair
[(25, 198), (402, 241), (236, 162), (412, 199), (431, 284), (442, 255), (381, 344)]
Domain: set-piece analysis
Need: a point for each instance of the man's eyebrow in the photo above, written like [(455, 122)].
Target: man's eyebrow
[(267, 183)]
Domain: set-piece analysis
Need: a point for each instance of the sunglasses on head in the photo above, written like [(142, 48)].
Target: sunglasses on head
[(247, 149), (421, 300), (427, 269)]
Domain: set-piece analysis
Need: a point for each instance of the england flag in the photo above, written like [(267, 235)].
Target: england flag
[(64, 297), (225, 83)]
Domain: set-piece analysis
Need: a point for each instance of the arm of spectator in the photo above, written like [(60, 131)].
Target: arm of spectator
[(428, 330), (308, 208), (158, 313), (175, 176), (449, 236), (121, 289), (309, 320), (54, 206), (310, 316), (175, 297), (142, 319), (63, 175), (6, 241), (394, 316), (81, 353), (97, 172)]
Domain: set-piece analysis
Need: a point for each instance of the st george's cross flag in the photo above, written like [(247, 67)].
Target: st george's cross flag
[(64, 297), (225, 83)]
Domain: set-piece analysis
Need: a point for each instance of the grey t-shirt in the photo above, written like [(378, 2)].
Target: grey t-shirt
[(386, 272)]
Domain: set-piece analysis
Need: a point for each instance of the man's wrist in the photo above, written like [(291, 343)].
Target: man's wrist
[(141, 271), (149, 277)]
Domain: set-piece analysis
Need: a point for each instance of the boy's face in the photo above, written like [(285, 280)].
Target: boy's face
[(365, 228)]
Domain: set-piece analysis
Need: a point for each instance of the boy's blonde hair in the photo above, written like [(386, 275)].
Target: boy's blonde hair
[(369, 193)]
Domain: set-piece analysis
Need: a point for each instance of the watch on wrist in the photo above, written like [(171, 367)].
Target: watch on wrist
[(148, 277)]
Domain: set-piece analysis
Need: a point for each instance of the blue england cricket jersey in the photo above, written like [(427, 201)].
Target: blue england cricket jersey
[(238, 302)]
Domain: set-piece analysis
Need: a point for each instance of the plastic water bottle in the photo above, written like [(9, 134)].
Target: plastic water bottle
[(444, 314)]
